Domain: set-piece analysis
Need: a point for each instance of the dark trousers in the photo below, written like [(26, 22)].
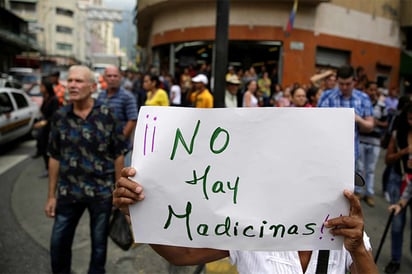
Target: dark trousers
[(68, 214)]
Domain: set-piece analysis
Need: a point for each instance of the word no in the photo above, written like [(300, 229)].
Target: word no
[(189, 149)]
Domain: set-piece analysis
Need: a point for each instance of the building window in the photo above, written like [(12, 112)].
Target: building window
[(64, 12), (22, 7), (332, 58), (63, 29), (64, 46)]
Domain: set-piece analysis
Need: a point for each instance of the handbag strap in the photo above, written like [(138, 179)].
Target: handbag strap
[(323, 260)]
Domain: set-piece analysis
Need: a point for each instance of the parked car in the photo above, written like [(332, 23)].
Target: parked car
[(17, 114)]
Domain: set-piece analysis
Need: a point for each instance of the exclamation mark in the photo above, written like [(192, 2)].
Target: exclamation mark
[(145, 136), (154, 133), (323, 226)]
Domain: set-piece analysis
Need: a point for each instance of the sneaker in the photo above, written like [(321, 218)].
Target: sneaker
[(370, 201), (392, 267)]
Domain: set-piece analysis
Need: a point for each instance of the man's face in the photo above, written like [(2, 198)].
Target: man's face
[(346, 86), (232, 88), (198, 85), (79, 85), (112, 78)]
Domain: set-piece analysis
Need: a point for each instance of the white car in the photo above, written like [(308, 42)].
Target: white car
[(17, 114)]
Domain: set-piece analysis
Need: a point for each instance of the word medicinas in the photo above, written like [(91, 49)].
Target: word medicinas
[(216, 187), (231, 229)]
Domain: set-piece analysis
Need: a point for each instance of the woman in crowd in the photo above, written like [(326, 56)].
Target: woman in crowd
[(155, 95), (398, 156), (299, 98), (249, 97), (48, 108), (286, 98), (313, 94)]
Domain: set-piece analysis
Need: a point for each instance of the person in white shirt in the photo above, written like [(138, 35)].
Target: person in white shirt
[(355, 256), (175, 93)]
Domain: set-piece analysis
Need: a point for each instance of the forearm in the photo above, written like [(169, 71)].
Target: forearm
[(365, 124), (118, 165), (189, 256), (363, 262), (128, 128), (395, 156), (53, 177)]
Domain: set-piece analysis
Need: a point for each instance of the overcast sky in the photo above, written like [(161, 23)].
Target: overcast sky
[(120, 4)]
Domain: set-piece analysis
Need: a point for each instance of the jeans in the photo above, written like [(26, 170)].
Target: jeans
[(368, 158), (68, 214), (399, 221)]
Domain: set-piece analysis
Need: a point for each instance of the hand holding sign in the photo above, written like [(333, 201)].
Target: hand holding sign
[(262, 179)]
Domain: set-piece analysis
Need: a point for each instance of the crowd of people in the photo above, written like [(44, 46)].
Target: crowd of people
[(86, 142)]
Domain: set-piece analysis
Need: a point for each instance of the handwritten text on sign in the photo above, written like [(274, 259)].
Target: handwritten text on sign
[(256, 179)]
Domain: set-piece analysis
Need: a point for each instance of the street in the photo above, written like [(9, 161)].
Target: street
[(25, 230)]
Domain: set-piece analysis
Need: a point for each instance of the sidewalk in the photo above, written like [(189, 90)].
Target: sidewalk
[(29, 197)]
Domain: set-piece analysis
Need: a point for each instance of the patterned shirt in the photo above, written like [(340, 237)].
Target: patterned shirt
[(86, 150), (359, 101)]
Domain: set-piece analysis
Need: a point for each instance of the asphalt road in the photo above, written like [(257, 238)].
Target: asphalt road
[(19, 252)]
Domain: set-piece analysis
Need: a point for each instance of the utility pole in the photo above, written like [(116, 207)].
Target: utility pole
[(221, 51)]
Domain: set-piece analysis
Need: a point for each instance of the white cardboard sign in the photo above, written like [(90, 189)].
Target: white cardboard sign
[(242, 179)]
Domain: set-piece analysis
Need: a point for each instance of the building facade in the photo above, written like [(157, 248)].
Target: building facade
[(326, 34), (66, 32)]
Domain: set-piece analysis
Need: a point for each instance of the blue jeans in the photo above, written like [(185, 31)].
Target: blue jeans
[(366, 164), (399, 221), (68, 214)]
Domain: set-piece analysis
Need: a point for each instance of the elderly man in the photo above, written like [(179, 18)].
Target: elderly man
[(231, 93), (86, 155)]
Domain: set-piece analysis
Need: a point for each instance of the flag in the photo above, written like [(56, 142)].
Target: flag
[(291, 20)]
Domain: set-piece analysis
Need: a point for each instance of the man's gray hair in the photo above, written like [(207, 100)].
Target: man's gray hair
[(89, 72)]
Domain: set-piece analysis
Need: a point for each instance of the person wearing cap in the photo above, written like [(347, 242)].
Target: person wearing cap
[(231, 93), (201, 98), (230, 72), (355, 255), (58, 88)]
